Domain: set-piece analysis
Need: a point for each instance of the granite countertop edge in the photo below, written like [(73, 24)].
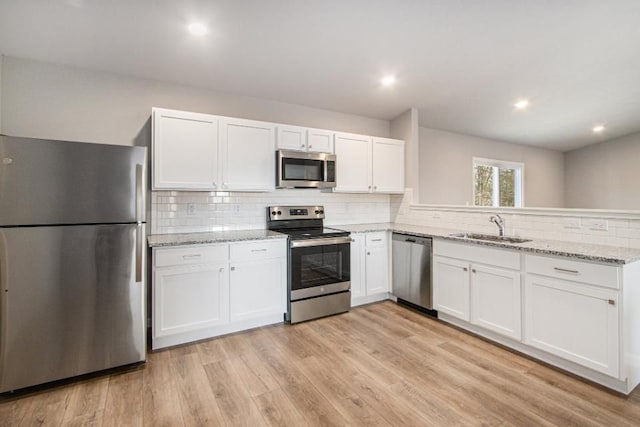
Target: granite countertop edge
[(583, 251), (209, 237)]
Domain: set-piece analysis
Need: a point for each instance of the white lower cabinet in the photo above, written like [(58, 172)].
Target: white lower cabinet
[(451, 286), (496, 300), (370, 261), (200, 291), (575, 321), (190, 297), (257, 288)]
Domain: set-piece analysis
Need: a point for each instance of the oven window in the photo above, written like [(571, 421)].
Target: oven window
[(319, 265), (302, 170)]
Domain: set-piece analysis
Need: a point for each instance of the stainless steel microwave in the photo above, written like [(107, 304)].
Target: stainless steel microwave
[(297, 169)]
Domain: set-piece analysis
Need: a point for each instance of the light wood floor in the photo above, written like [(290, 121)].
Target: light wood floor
[(380, 364)]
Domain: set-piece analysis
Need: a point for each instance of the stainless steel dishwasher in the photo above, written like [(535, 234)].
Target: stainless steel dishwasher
[(412, 270)]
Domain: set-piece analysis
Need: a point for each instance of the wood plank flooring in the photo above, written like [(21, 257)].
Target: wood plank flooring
[(378, 365)]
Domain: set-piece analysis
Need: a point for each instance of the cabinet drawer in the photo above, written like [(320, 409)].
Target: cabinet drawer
[(186, 255), (476, 253), (594, 274), (376, 239), (262, 249)]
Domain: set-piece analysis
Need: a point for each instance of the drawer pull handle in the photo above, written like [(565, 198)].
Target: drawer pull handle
[(376, 240), (258, 250), (565, 270), (611, 302), (191, 256)]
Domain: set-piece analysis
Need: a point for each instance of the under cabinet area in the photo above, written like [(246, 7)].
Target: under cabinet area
[(200, 291), (370, 267)]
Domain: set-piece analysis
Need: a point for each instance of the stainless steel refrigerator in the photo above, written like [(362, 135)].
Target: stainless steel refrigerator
[(72, 259)]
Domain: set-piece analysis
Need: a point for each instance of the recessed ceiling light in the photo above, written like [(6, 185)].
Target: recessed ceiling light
[(522, 104), (388, 80), (198, 29), (598, 128)]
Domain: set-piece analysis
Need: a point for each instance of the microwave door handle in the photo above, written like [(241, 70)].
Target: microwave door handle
[(326, 170)]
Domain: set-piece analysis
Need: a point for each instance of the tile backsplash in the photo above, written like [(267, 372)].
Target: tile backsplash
[(184, 212), (605, 230)]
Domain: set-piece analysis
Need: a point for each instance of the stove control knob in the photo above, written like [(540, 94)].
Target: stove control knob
[(279, 212), (321, 212), (317, 212), (274, 213)]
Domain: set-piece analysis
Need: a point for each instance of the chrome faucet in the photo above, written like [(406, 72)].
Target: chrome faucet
[(497, 219)]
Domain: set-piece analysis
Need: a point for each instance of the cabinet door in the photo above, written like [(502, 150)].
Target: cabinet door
[(357, 266), (248, 155), (495, 300), (353, 163), (189, 298), (451, 287), (257, 288), (185, 150), (388, 165), (573, 320), (320, 141), (377, 264), (292, 138)]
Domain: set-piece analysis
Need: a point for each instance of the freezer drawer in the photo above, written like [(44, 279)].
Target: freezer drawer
[(411, 266), (70, 302)]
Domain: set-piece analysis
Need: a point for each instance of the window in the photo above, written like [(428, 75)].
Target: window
[(497, 183)]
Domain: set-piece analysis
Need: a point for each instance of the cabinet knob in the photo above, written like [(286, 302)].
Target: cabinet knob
[(465, 269), (473, 270), (310, 146), (612, 302), (369, 187), (221, 269), (368, 253), (233, 269), (301, 145), (375, 187)]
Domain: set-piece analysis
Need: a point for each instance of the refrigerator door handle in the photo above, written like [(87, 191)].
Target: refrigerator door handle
[(139, 249), (140, 194)]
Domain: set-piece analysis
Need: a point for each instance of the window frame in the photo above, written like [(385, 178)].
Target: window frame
[(518, 190)]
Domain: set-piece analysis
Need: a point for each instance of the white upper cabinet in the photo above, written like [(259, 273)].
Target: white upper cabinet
[(369, 165), (248, 155), (304, 139), (353, 163), (388, 165), (319, 141), (185, 150), (292, 138)]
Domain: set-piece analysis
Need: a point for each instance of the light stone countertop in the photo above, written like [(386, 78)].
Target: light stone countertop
[(157, 240), (581, 251)]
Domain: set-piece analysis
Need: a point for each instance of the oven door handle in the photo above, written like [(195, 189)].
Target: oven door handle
[(320, 242)]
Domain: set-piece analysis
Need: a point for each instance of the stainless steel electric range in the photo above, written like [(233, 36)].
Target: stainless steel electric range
[(319, 262)]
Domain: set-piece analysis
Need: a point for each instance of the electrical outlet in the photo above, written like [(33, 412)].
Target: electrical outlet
[(597, 224), (573, 223), (236, 208), (191, 209)]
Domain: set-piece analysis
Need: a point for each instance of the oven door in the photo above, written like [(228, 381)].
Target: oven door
[(319, 267)]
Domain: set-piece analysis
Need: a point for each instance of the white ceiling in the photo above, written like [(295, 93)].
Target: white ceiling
[(462, 63)]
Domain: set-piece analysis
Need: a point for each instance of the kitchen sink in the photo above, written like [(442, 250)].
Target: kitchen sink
[(489, 237)]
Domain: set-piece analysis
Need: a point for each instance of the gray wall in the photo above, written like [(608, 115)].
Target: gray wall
[(405, 127), (44, 100), (446, 175), (604, 175)]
